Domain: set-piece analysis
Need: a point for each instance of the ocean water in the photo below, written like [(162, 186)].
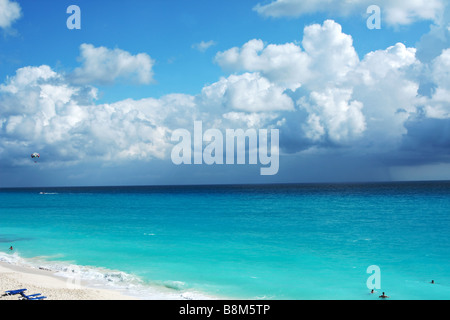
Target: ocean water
[(307, 241)]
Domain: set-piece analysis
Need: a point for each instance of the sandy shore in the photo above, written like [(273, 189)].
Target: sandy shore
[(53, 287)]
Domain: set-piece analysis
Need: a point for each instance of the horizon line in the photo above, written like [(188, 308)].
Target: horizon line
[(232, 184)]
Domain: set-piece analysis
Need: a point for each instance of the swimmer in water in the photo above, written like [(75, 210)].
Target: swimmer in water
[(384, 296)]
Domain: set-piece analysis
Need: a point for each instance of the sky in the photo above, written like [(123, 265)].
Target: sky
[(100, 102)]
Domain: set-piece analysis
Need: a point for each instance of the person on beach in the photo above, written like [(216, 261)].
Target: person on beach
[(384, 296)]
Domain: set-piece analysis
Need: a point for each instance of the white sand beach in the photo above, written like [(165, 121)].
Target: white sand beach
[(14, 277)]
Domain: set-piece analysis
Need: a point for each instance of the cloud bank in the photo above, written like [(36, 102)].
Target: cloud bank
[(317, 92), (394, 12)]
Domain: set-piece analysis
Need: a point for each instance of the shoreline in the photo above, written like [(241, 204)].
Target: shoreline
[(54, 287), (58, 281)]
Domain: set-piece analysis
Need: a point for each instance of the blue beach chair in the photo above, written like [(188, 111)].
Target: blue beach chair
[(14, 292), (36, 296)]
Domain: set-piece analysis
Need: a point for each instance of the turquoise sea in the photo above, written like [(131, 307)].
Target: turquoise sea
[(305, 241)]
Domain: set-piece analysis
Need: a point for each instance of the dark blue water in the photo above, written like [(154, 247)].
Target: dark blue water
[(312, 241)]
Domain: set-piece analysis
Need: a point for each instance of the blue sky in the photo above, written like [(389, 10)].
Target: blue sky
[(100, 103)]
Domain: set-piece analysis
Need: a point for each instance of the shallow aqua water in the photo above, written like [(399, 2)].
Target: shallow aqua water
[(274, 241)]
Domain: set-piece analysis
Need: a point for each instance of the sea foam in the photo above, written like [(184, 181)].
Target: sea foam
[(95, 277)]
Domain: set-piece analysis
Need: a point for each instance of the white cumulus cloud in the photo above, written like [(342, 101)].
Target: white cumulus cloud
[(104, 66), (327, 56), (10, 11), (333, 113), (286, 63), (249, 92)]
